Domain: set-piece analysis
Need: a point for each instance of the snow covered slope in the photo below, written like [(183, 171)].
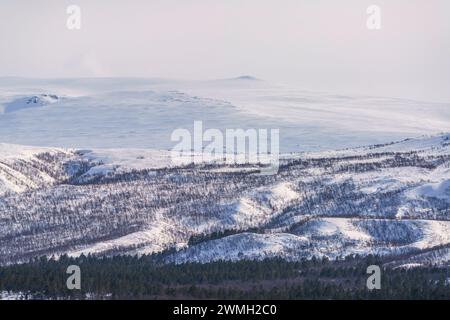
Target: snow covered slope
[(142, 113), (330, 237), (19, 103), (389, 199), (24, 168), (116, 191)]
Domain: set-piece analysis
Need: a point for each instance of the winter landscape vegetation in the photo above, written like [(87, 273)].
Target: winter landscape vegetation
[(86, 178)]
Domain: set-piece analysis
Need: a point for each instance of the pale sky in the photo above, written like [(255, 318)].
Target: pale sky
[(318, 44)]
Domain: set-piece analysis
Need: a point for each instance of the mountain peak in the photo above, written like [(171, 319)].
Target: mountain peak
[(247, 78), (30, 102)]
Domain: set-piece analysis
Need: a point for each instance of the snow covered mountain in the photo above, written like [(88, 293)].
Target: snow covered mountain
[(142, 113), (20, 103), (25, 168), (391, 199), (111, 187)]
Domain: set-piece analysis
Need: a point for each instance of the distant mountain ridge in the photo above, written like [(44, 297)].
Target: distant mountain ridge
[(142, 113)]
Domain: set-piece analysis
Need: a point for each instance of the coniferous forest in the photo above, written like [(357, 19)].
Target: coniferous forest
[(127, 277)]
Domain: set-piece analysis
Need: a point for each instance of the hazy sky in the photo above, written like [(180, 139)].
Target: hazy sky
[(320, 44)]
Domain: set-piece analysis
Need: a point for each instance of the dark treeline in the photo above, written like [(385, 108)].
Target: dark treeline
[(127, 277), (196, 239)]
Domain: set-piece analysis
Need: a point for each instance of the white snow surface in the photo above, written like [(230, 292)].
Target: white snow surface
[(330, 237), (440, 190), (142, 113), (13, 180)]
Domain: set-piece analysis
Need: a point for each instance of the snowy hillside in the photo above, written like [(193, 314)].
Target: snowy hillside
[(20, 103), (24, 168), (116, 190), (142, 113), (391, 199)]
